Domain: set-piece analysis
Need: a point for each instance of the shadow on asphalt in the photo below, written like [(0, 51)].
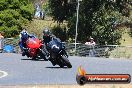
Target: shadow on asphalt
[(34, 60), (26, 59), (57, 67)]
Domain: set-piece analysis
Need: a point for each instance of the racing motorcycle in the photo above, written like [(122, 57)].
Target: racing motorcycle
[(35, 49), (58, 55)]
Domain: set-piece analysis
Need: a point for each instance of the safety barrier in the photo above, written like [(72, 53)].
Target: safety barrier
[(88, 50), (115, 51)]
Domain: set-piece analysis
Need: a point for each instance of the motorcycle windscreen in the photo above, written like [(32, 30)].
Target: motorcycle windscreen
[(33, 43), (55, 46)]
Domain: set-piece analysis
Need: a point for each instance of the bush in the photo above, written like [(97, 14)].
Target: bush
[(13, 15), (59, 32)]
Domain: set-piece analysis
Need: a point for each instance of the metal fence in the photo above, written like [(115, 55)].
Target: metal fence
[(107, 51), (87, 50), (112, 51)]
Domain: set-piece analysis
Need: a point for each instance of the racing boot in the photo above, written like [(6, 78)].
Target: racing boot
[(52, 61), (24, 52), (46, 56)]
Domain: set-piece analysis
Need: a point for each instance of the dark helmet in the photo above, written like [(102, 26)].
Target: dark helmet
[(46, 32)]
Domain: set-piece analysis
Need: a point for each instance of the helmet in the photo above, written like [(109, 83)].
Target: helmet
[(24, 34), (46, 32)]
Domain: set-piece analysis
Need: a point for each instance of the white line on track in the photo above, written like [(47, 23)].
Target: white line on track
[(4, 74)]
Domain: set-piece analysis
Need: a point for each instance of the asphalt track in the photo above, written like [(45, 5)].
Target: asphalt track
[(22, 71)]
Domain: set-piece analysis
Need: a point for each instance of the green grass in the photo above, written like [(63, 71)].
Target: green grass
[(126, 41), (126, 38), (37, 26), (125, 49)]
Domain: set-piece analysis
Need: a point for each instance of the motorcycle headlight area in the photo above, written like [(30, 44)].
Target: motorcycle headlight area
[(55, 48)]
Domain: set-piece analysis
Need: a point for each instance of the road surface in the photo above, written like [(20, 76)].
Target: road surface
[(21, 70)]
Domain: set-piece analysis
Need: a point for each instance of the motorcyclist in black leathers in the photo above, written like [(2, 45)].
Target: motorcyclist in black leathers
[(47, 37)]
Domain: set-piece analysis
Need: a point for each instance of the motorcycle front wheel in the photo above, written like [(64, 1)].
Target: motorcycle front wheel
[(66, 62)]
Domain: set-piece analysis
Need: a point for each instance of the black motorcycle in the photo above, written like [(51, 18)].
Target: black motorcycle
[(58, 55)]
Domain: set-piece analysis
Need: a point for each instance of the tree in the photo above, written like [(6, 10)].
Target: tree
[(61, 10), (13, 15), (97, 18)]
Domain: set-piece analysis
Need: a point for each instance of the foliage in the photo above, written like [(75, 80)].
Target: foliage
[(45, 7), (13, 15), (61, 9), (97, 18), (59, 31), (37, 26)]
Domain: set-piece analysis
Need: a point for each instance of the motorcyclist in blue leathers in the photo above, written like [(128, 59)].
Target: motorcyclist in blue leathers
[(22, 41)]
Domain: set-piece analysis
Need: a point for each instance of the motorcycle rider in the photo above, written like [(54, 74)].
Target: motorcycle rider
[(47, 37), (22, 41)]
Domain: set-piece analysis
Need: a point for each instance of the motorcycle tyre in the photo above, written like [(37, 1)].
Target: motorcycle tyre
[(66, 61)]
